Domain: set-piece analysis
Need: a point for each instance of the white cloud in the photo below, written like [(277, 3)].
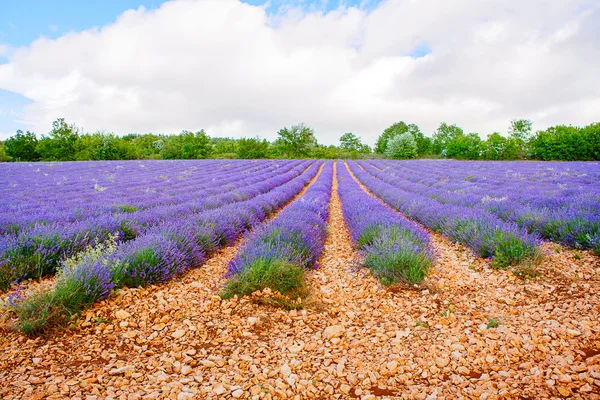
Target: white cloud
[(236, 70)]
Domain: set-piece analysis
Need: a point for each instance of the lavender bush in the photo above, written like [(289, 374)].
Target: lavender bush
[(505, 243), (276, 255), (394, 248), (558, 201)]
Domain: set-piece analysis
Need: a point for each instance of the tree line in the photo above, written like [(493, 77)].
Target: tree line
[(67, 142)]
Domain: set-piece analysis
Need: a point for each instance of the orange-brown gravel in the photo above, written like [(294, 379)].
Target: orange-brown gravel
[(356, 339)]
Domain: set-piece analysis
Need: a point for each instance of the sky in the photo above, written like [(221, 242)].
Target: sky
[(247, 68)]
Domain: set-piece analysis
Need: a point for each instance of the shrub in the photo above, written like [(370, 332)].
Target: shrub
[(401, 146)]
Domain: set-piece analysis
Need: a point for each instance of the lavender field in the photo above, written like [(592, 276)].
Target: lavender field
[(391, 241)]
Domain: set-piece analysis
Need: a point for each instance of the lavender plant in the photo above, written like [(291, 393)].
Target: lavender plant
[(276, 255), (395, 249)]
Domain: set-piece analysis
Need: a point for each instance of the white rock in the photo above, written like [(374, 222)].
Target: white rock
[(122, 314), (179, 333), (122, 370), (333, 331), (285, 370)]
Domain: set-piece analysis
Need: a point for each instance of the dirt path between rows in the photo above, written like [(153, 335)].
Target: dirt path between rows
[(356, 339)]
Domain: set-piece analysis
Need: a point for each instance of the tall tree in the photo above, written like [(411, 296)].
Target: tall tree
[(297, 141), (187, 145), (350, 142), (443, 136), (22, 146), (401, 146), (252, 148), (398, 128), (60, 144), (520, 133)]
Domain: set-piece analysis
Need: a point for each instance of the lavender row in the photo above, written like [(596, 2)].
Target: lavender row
[(395, 249), (560, 206), (155, 257), (31, 204), (503, 242), (38, 251), (277, 254)]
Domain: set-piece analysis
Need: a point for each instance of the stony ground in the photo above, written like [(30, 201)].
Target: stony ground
[(467, 332)]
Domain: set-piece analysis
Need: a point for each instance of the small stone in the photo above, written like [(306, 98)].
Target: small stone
[(159, 327), (119, 371), (36, 361), (392, 366), (573, 332), (179, 333), (285, 370), (130, 334), (442, 362), (586, 388), (219, 390), (345, 388), (122, 314), (255, 390), (207, 363), (252, 320), (237, 394), (185, 396), (564, 391), (186, 369), (333, 331)]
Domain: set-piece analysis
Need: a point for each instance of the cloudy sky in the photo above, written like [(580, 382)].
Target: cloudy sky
[(246, 68)]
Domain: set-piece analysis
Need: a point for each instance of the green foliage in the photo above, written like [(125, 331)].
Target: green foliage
[(350, 142), (498, 147), (104, 146), (492, 323), (48, 308), (3, 156), (423, 142), (61, 142), (22, 147), (443, 136), (223, 147), (567, 143), (401, 146), (520, 129), (464, 147), (252, 148), (278, 275), (297, 141), (187, 145)]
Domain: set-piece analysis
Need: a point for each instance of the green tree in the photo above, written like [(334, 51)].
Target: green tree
[(61, 143), (224, 147), (443, 136), (187, 145), (22, 146), (401, 146), (3, 156), (423, 143), (252, 148), (520, 133), (520, 129), (464, 147), (350, 142), (104, 146), (567, 143), (297, 141)]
